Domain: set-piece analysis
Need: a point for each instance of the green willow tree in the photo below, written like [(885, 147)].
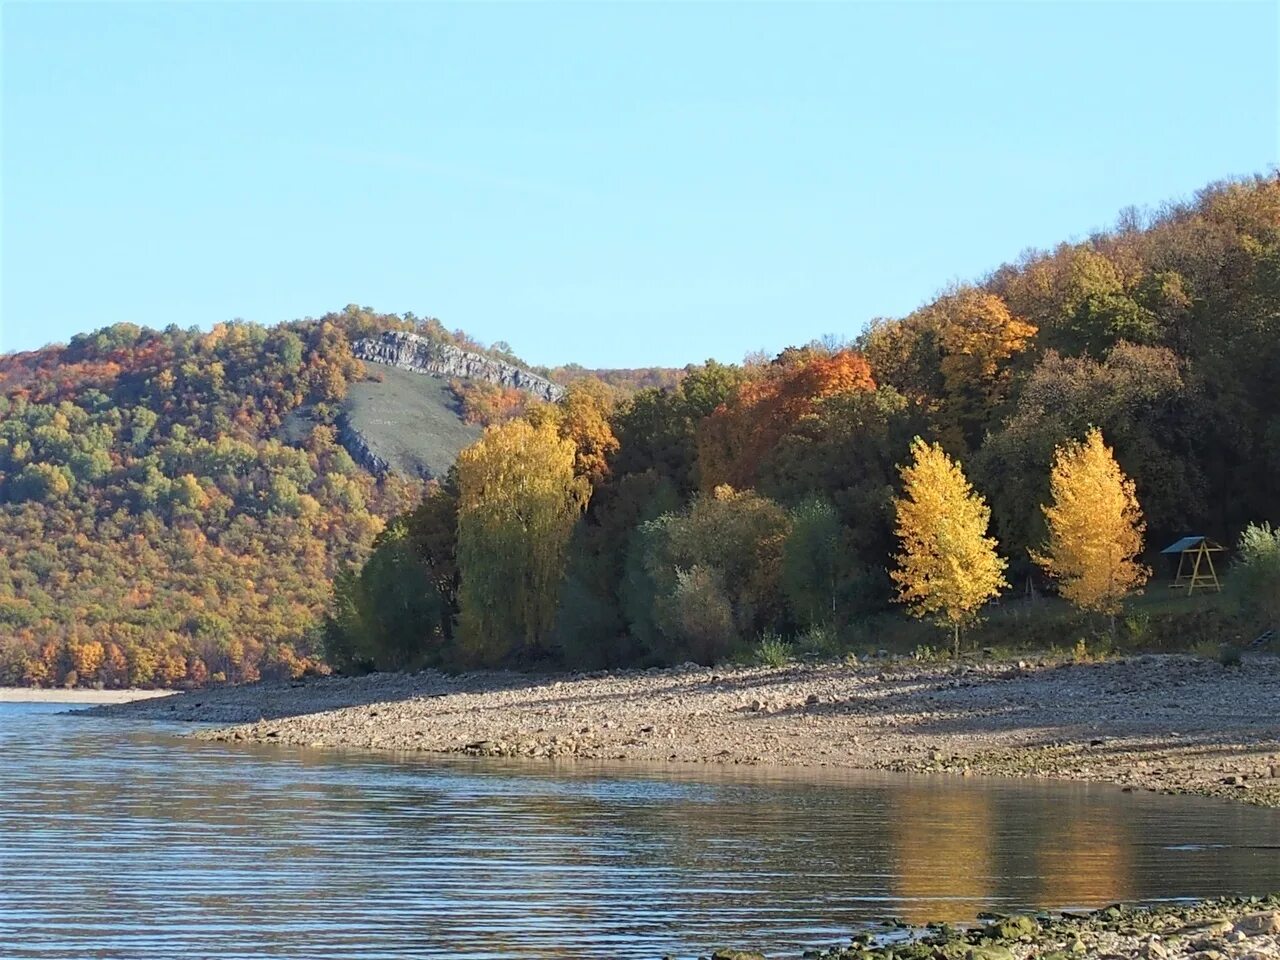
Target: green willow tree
[(813, 562), (386, 616)]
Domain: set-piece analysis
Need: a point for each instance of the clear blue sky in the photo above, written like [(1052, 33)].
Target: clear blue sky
[(617, 185)]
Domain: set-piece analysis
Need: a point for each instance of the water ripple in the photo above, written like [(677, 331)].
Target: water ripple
[(123, 841)]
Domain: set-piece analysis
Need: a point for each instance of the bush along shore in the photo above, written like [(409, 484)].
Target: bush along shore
[(1222, 929)]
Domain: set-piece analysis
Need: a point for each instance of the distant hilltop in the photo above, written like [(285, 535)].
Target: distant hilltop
[(199, 490), (409, 351)]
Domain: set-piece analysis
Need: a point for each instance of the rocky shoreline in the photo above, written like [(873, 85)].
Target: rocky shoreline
[(1224, 929), (1173, 724)]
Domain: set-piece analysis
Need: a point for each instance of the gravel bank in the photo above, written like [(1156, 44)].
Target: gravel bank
[(1242, 929), (1169, 723)]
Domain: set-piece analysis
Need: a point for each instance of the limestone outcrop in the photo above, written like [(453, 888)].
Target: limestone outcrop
[(408, 351)]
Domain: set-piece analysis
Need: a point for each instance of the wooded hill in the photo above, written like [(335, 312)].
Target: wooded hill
[(757, 501), (174, 504)]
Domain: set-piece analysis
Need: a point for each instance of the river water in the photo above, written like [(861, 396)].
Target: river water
[(124, 840)]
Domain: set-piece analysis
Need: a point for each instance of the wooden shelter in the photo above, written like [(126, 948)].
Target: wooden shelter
[(1195, 564)]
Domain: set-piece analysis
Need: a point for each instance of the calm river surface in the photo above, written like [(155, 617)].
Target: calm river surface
[(121, 840)]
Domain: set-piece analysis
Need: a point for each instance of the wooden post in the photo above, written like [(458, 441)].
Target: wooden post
[(1204, 553), (1195, 569), (1208, 555)]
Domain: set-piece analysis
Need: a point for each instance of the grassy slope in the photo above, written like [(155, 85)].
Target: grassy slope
[(410, 419)]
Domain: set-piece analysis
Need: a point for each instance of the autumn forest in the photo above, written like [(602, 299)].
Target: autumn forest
[(168, 516)]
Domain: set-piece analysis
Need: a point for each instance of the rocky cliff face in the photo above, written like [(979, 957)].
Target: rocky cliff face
[(360, 449), (408, 351)]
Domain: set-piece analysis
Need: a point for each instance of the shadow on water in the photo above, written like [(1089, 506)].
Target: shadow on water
[(121, 840)]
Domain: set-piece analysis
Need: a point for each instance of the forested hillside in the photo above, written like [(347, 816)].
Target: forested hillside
[(746, 502), (174, 504)]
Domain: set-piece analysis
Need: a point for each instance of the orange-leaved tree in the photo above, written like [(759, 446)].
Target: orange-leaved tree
[(582, 416), (955, 357), (979, 337), (744, 430)]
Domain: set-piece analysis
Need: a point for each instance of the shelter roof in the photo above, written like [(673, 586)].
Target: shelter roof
[(1190, 543)]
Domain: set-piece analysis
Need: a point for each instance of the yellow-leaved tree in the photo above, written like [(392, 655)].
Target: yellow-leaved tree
[(948, 566), (1095, 527), (518, 500)]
